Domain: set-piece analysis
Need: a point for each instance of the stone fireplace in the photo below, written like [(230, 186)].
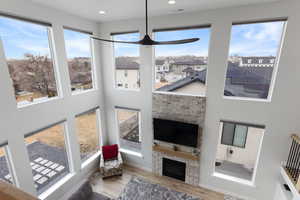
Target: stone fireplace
[(192, 167), (182, 108)]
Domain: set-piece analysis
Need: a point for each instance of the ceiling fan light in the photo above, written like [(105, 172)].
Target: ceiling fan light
[(171, 2)]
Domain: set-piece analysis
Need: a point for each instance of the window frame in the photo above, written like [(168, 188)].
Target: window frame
[(275, 62), (71, 172), (6, 153), (50, 38), (98, 133), (125, 150), (115, 81), (231, 178), (92, 60)]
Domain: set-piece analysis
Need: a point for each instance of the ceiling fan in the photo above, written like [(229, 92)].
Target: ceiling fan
[(147, 39)]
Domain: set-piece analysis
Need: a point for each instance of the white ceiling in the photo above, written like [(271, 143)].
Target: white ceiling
[(127, 9)]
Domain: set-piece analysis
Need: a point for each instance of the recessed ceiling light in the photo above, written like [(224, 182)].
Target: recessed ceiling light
[(171, 2), (102, 12)]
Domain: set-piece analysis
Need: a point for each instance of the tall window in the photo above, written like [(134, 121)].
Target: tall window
[(28, 54), (78, 49), (87, 134), (127, 63), (129, 129), (182, 68), (5, 172), (238, 150), (253, 49), (48, 156)]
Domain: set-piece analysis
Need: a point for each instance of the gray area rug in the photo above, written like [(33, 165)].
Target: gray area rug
[(139, 189)]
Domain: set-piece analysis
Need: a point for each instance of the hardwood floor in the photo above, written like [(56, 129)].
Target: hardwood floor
[(112, 187)]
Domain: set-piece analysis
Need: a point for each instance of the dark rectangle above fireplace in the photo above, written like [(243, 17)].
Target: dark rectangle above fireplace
[(175, 132), (174, 169)]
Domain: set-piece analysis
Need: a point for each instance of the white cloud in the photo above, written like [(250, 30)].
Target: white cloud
[(265, 31), (257, 39)]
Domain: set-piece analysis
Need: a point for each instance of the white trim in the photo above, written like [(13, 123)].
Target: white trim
[(234, 179), (133, 153), (38, 102), (178, 93), (91, 159), (56, 186), (277, 60), (237, 98), (74, 93)]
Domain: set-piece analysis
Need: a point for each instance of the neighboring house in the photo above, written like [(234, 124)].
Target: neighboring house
[(193, 83), (257, 61), (127, 73), (196, 64), (162, 66), (253, 81)]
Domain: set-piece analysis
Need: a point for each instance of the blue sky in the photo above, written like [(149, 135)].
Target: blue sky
[(199, 48), (126, 49), (20, 37), (261, 39), (77, 44)]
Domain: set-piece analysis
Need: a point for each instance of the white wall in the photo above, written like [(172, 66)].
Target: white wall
[(131, 79), (17, 122), (280, 115)]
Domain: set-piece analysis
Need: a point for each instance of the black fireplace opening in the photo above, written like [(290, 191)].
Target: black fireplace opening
[(174, 169)]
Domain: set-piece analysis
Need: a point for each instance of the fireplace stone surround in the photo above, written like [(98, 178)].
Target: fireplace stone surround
[(183, 108)]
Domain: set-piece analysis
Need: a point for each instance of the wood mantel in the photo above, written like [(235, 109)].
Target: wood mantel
[(172, 152), (9, 192)]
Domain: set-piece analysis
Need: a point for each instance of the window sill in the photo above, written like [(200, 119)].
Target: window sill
[(74, 93), (57, 185), (268, 100), (37, 102), (90, 160), (181, 94), (234, 179), (133, 153)]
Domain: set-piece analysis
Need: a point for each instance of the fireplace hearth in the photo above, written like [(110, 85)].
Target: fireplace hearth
[(174, 169)]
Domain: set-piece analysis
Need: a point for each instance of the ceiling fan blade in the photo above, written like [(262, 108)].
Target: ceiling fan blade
[(115, 41), (176, 41)]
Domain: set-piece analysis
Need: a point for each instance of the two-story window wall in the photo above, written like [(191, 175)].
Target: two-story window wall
[(28, 52)]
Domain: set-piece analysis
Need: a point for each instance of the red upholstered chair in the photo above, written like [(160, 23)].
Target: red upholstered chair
[(111, 163)]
